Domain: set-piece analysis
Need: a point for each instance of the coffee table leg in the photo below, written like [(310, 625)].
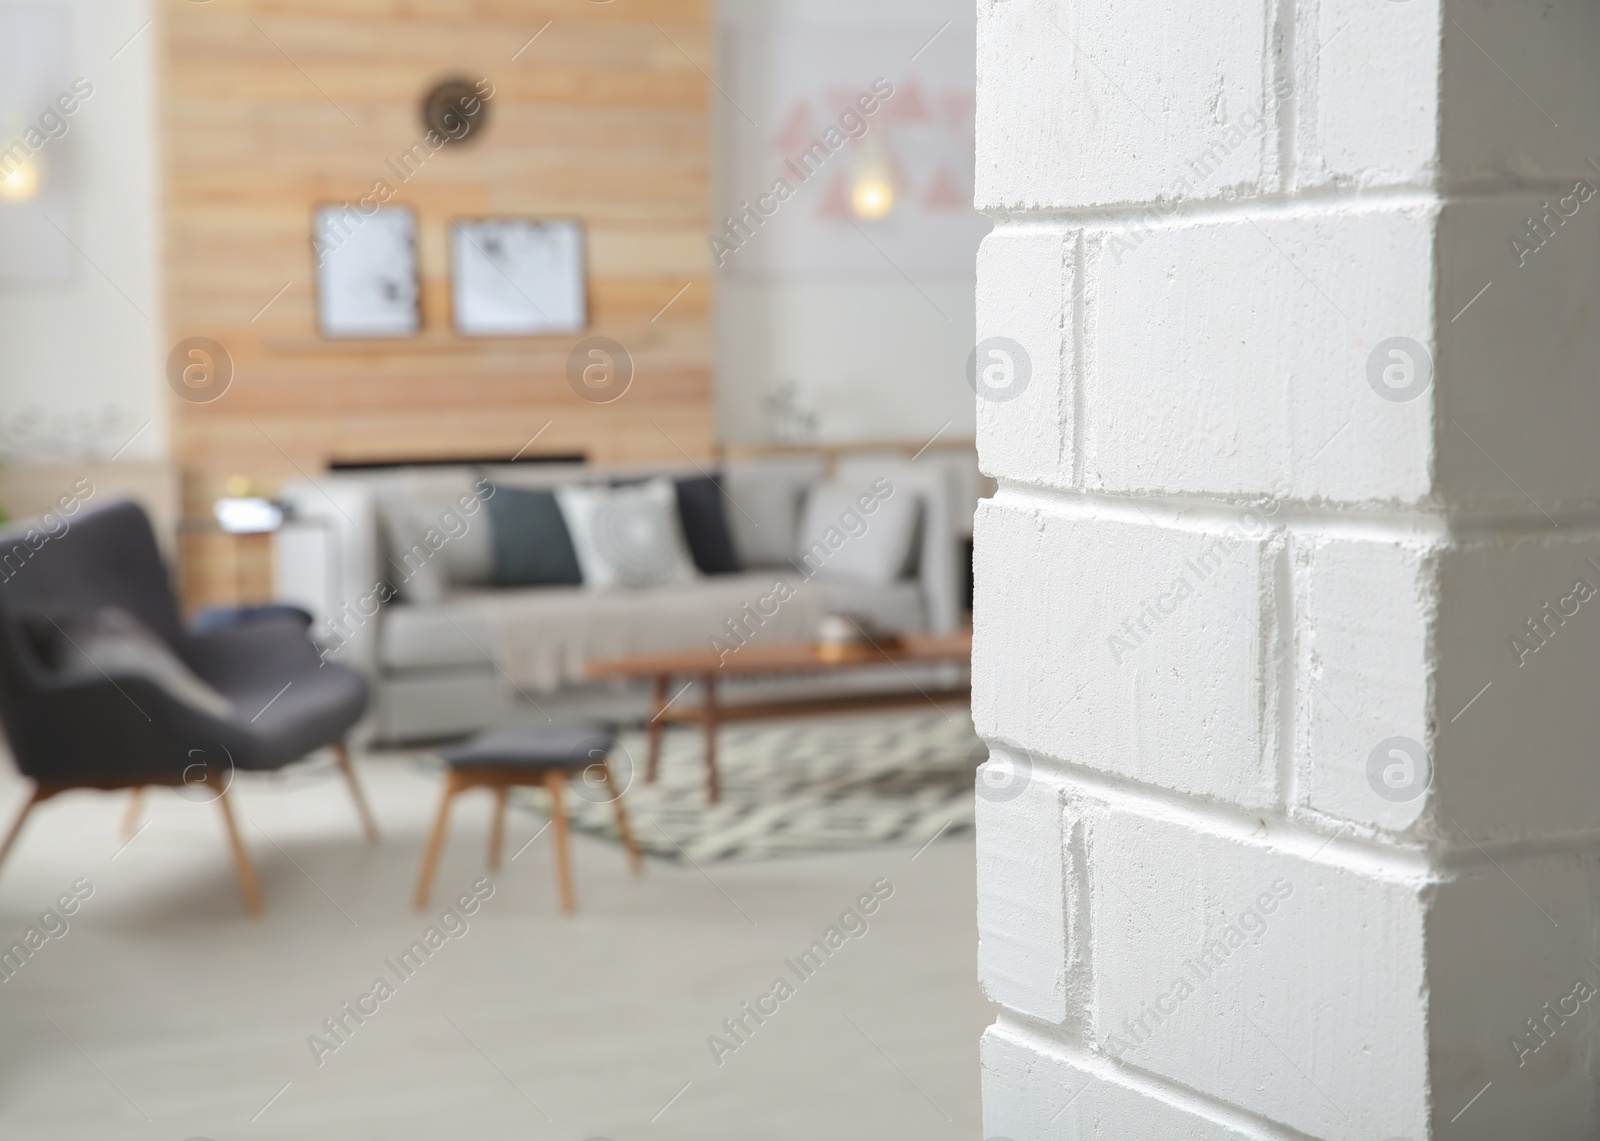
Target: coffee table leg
[(709, 716), (658, 706)]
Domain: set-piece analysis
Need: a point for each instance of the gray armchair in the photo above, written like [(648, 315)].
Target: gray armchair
[(101, 686)]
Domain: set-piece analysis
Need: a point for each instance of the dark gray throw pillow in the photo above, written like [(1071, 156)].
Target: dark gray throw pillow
[(531, 544), (705, 525)]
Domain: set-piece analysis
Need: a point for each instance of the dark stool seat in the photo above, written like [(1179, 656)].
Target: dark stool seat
[(542, 746), (520, 755)]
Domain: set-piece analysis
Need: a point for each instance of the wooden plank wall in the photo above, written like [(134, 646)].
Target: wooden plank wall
[(273, 106)]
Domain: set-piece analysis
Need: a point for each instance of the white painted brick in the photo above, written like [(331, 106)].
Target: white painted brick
[(1368, 112), (1314, 1018), (1365, 610), (1231, 357), (1517, 367), (1036, 1094), (1086, 103), (1519, 761), (1025, 864), (1491, 128), (1187, 706), (1494, 960), (1026, 280)]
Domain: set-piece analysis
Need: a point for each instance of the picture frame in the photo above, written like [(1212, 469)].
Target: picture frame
[(518, 277), (367, 283)]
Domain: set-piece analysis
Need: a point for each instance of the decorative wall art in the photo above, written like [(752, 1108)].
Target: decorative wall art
[(367, 272), (518, 277), (862, 162)]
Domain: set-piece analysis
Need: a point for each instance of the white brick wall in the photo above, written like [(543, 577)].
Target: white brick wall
[(1126, 673), (1027, 940), (1031, 435), (1338, 703), (1096, 103), (1282, 985), (1230, 357)]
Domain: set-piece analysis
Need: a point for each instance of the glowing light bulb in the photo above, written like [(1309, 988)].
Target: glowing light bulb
[(20, 183), (872, 197)]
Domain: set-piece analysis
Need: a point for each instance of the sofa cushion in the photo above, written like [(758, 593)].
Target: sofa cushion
[(456, 633), (627, 536), (532, 546), (898, 607), (858, 530), (705, 525), (565, 625)]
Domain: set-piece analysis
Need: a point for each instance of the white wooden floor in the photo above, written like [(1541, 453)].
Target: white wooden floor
[(164, 1013)]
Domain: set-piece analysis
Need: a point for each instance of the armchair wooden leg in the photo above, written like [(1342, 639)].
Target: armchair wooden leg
[(368, 824), (34, 797), (241, 858), (130, 816), (635, 861), (497, 827), (554, 781), (430, 858)]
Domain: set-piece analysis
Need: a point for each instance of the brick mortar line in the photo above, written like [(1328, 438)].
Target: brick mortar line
[(1055, 1041), (1309, 203), (1182, 513), (1363, 851), (1374, 858)]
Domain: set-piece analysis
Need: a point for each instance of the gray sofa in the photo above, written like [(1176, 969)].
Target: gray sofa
[(481, 654)]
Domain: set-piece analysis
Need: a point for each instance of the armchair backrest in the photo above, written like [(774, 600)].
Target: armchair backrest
[(104, 556), (99, 557)]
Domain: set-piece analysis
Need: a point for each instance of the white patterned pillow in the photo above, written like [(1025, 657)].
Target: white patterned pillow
[(627, 536)]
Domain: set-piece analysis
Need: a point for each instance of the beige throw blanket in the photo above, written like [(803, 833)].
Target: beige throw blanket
[(545, 639)]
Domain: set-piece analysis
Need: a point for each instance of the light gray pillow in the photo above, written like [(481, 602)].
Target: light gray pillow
[(415, 565), (113, 643), (858, 530), (627, 536)]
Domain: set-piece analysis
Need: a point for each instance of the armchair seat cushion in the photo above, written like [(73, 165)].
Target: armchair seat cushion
[(278, 724), (287, 701)]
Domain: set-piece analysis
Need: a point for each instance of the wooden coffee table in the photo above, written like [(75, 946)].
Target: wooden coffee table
[(707, 667)]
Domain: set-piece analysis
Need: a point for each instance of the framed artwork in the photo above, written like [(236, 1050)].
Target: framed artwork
[(367, 272), (514, 277)]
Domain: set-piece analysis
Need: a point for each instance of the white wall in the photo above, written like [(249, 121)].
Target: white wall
[(1287, 666), (875, 357), (81, 363)]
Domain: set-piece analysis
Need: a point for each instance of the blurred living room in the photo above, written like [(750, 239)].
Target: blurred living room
[(485, 609)]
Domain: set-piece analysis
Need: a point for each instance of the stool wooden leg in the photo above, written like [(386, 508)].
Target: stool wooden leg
[(130, 816), (713, 784), (368, 825), (623, 829), (430, 858), (554, 781), (497, 827), (658, 709), (241, 858)]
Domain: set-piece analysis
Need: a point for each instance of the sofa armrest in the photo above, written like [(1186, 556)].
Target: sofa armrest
[(327, 560)]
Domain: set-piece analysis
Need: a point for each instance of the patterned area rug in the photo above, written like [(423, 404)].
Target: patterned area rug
[(807, 785)]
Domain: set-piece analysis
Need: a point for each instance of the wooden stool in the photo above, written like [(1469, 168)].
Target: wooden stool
[(525, 755)]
